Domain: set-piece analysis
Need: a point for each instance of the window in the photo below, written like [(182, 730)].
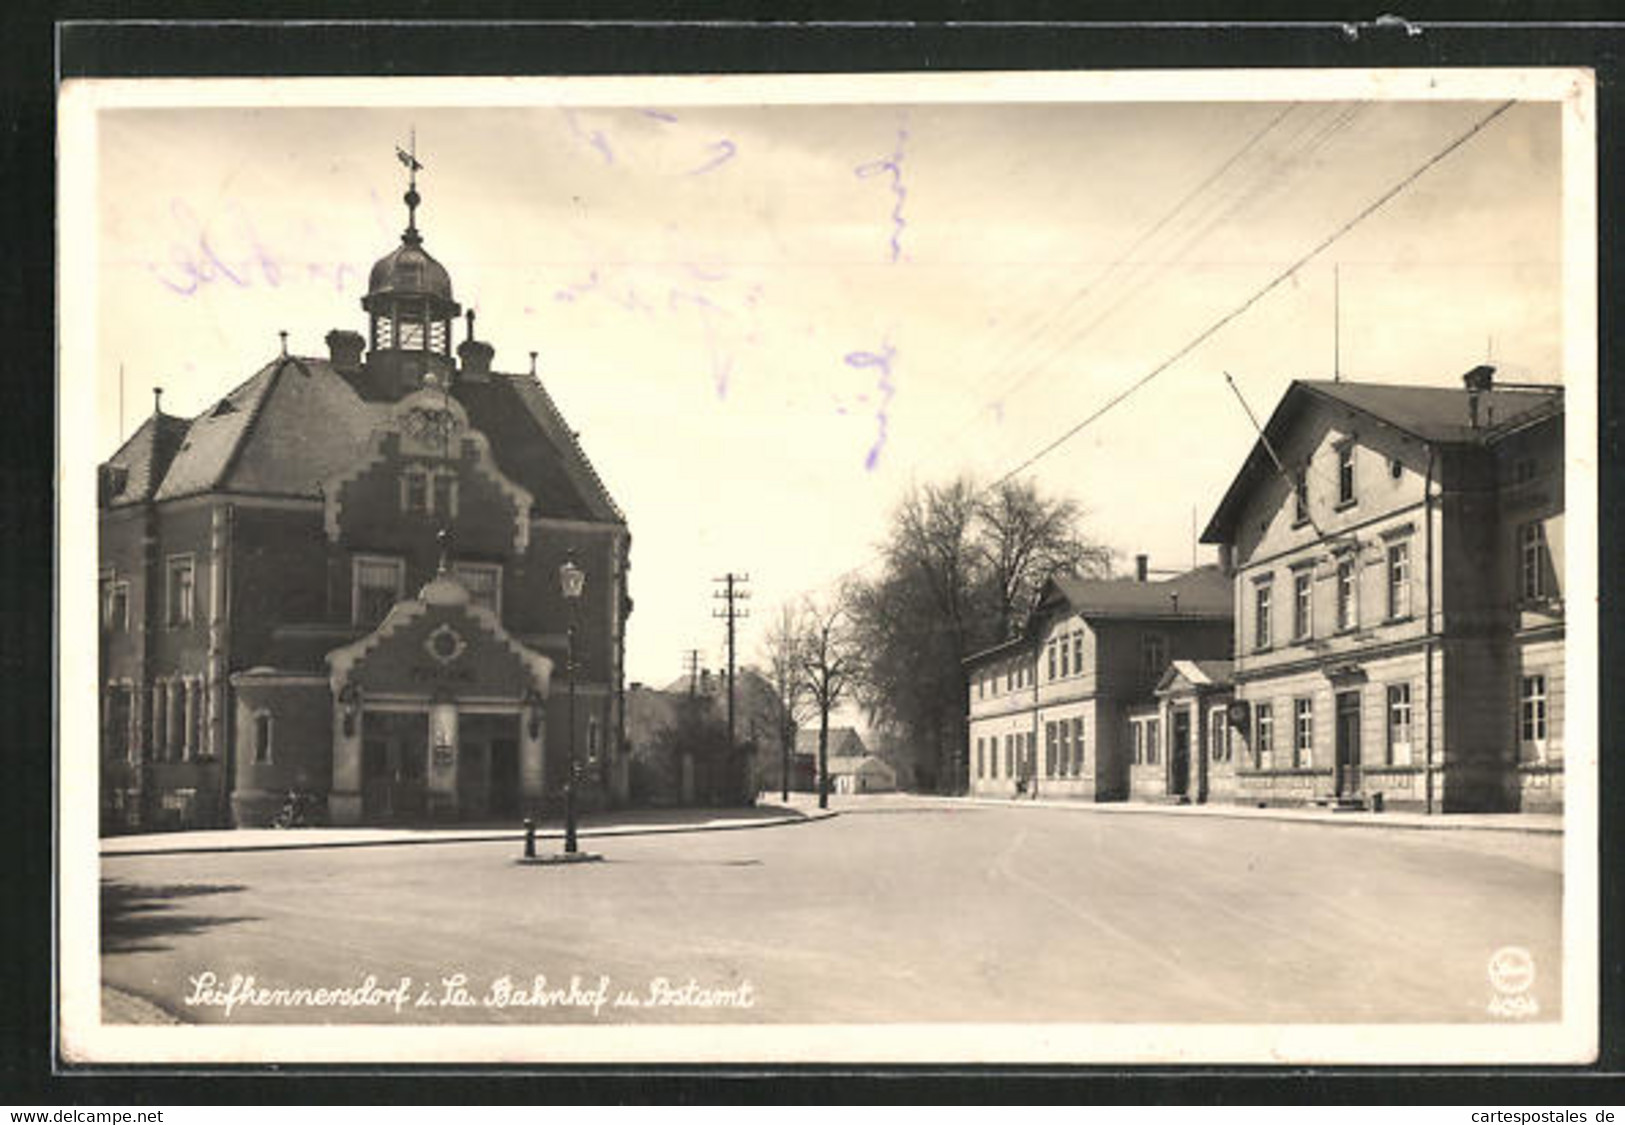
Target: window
[(484, 582), (1049, 749), (445, 494), (1139, 742), (1153, 742), (115, 605), (1218, 735), (1153, 654), (412, 335), (1065, 671), (1399, 724), (1263, 732), (1077, 653), (979, 761), (179, 589), (414, 491), (1345, 473), (1009, 756), (1077, 746), (1051, 660), (262, 738), (1303, 743), (1303, 605), (1532, 715), (1300, 495), (1347, 615), (1009, 678), (1399, 580), (1532, 560), (376, 587), (1261, 614), (592, 738), (1523, 470), (116, 722)]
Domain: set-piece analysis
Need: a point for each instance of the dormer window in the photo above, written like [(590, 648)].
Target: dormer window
[(1345, 473), (1300, 495)]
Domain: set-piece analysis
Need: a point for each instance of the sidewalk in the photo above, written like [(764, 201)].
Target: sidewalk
[(1544, 824), (629, 822)]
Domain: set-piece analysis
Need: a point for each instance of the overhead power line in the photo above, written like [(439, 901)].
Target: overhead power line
[(1212, 329)]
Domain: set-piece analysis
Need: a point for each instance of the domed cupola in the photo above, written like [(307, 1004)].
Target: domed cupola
[(410, 304)]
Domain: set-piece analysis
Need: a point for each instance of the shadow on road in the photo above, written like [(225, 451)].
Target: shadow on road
[(136, 917)]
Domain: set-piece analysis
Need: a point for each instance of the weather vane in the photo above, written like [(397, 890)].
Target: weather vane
[(409, 158)]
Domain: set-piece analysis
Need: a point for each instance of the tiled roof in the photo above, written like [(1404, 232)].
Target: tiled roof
[(297, 422), (146, 456), (1439, 415), (1203, 592), (1200, 673), (807, 742), (852, 763)]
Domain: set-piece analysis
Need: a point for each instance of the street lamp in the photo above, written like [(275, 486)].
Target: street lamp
[(571, 580)]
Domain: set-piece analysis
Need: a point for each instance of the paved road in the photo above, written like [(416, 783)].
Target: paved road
[(890, 912)]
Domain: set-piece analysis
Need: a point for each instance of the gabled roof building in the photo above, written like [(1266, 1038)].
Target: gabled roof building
[(343, 578), (1398, 555)]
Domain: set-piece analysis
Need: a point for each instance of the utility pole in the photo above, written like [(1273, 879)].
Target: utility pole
[(732, 593), (691, 665)]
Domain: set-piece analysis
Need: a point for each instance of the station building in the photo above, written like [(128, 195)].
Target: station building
[(1399, 626), (344, 578)]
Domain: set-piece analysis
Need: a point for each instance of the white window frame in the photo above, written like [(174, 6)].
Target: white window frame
[(356, 563), (1350, 496), (1077, 653), (1532, 561), (1398, 700), (1263, 732), (1065, 660), (1303, 732), (1348, 594), (1534, 715), (462, 568), (1263, 613), (1398, 576), (1218, 735), (1303, 604), (172, 619)]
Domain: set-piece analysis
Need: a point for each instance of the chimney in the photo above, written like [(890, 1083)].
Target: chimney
[(1478, 380), (1173, 595), (1142, 567), (344, 349)]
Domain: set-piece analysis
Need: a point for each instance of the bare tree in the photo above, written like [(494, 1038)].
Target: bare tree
[(828, 662), (782, 666), (1024, 539)]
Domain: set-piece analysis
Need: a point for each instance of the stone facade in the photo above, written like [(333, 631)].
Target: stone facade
[(1398, 561)]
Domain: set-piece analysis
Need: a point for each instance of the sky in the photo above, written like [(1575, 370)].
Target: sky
[(769, 321)]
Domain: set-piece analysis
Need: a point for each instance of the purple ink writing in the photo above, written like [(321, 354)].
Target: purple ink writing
[(881, 361), (892, 166)]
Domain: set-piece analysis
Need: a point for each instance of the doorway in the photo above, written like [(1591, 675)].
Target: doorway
[(394, 765), (1179, 753), (1348, 744), (488, 767)]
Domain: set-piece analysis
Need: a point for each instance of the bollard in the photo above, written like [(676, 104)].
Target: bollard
[(530, 838)]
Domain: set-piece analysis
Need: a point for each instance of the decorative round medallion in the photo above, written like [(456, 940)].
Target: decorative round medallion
[(445, 644)]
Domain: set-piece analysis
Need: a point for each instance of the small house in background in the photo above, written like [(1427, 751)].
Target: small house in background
[(861, 774)]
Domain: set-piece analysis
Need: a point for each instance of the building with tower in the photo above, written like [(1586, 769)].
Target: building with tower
[(343, 579)]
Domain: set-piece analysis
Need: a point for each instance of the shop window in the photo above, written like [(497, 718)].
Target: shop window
[(1399, 724), (484, 582), (179, 591), (376, 585)]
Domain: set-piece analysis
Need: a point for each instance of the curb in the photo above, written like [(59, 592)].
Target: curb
[(1282, 816), (471, 838)]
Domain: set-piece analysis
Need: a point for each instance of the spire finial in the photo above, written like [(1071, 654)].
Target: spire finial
[(409, 157), (157, 400), (533, 365), (283, 333)]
